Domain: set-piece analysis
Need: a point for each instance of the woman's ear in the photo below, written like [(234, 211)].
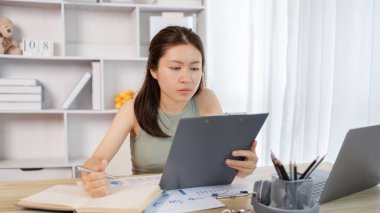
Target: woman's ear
[(153, 73)]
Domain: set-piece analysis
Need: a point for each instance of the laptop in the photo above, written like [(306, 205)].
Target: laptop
[(356, 168), (201, 145)]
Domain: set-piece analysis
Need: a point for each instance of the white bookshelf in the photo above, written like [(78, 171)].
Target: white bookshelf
[(49, 143)]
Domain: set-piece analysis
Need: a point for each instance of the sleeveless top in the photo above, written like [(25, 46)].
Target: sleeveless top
[(149, 153)]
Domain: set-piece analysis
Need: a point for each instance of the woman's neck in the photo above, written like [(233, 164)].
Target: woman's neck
[(170, 106)]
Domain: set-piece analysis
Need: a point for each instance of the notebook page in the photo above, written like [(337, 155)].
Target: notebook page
[(66, 195), (135, 197)]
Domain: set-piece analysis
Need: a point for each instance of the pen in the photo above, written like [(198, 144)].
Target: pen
[(291, 165), (279, 168), (276, 166), (309, 168), (84, 169), (316, 165), (282, 170)]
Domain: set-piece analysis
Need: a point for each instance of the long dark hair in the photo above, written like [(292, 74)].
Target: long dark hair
[(148, 99)]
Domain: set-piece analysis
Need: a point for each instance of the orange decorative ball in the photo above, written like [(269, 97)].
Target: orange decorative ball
[(122, 97)]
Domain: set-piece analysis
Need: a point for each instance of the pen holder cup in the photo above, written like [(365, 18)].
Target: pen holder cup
[(282, 196), (261, 208), (290, 194)]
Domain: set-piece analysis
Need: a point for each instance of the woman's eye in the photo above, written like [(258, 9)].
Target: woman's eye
[(194, 69), (175, 68)]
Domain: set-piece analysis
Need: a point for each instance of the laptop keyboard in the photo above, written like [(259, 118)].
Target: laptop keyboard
[(319, 182), (317, 189)]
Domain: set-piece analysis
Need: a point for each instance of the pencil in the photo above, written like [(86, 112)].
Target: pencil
[(84, 169), (275, 165), (308, 168), (316, 165), (282, 170)]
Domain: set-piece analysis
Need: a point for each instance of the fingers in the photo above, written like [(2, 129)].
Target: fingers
[(253, 146), (97, 192), (95, 184), (247, 166), (241, 164), (243, 171), (244, 168), (248, 154)]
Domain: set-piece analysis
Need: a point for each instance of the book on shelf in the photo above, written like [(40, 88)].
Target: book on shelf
[(21, 89), (21, 97), (96, 86), (74, 198), (76, 90), (156, 23), (188, 3), (20, 105), (18, 82)]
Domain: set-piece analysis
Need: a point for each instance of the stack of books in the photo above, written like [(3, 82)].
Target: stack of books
[(20, 94)]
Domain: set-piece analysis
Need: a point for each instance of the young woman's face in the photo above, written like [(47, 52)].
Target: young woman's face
[(179, 72)]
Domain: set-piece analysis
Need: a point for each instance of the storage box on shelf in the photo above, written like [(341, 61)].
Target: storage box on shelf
[(49, 143)]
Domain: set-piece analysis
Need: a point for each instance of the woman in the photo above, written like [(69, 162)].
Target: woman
[(173, 89)]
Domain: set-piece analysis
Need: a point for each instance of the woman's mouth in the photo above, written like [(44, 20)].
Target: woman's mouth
[(185, 91)]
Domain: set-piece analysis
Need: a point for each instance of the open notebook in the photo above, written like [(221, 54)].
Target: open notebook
[(74, 198)]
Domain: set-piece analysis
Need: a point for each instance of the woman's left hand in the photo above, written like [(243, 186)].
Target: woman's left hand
[(247, 166)]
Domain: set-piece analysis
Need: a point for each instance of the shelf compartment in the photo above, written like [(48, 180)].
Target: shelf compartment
[(154, 7), (84, 133), (57, 77), (145, 26), (34, 3), (71, 58), (119, 76), (104, 32), (35, 174), (31, 19), (32, 137), (33, 163)]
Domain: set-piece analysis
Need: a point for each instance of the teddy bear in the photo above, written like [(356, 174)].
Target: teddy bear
[(8, 44)]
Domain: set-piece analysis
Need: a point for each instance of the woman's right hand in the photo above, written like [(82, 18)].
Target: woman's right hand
[(94, 183)]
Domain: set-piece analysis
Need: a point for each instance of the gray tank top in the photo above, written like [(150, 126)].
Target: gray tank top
[(149, 153)]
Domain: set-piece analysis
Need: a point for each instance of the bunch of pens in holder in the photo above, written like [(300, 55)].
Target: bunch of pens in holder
[(293, 174), (287, 191)]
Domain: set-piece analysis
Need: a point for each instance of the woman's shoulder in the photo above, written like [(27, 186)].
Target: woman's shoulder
[(207, 102), (127, 110)]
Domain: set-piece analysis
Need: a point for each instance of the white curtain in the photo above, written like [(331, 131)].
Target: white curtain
[(314, 65)]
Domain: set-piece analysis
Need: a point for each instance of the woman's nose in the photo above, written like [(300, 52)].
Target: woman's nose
[(185, 76)]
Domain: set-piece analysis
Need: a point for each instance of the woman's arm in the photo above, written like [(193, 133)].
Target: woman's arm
[(121, 126), (95, 183)]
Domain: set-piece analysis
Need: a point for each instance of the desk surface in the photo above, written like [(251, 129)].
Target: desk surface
[(364, 201)]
